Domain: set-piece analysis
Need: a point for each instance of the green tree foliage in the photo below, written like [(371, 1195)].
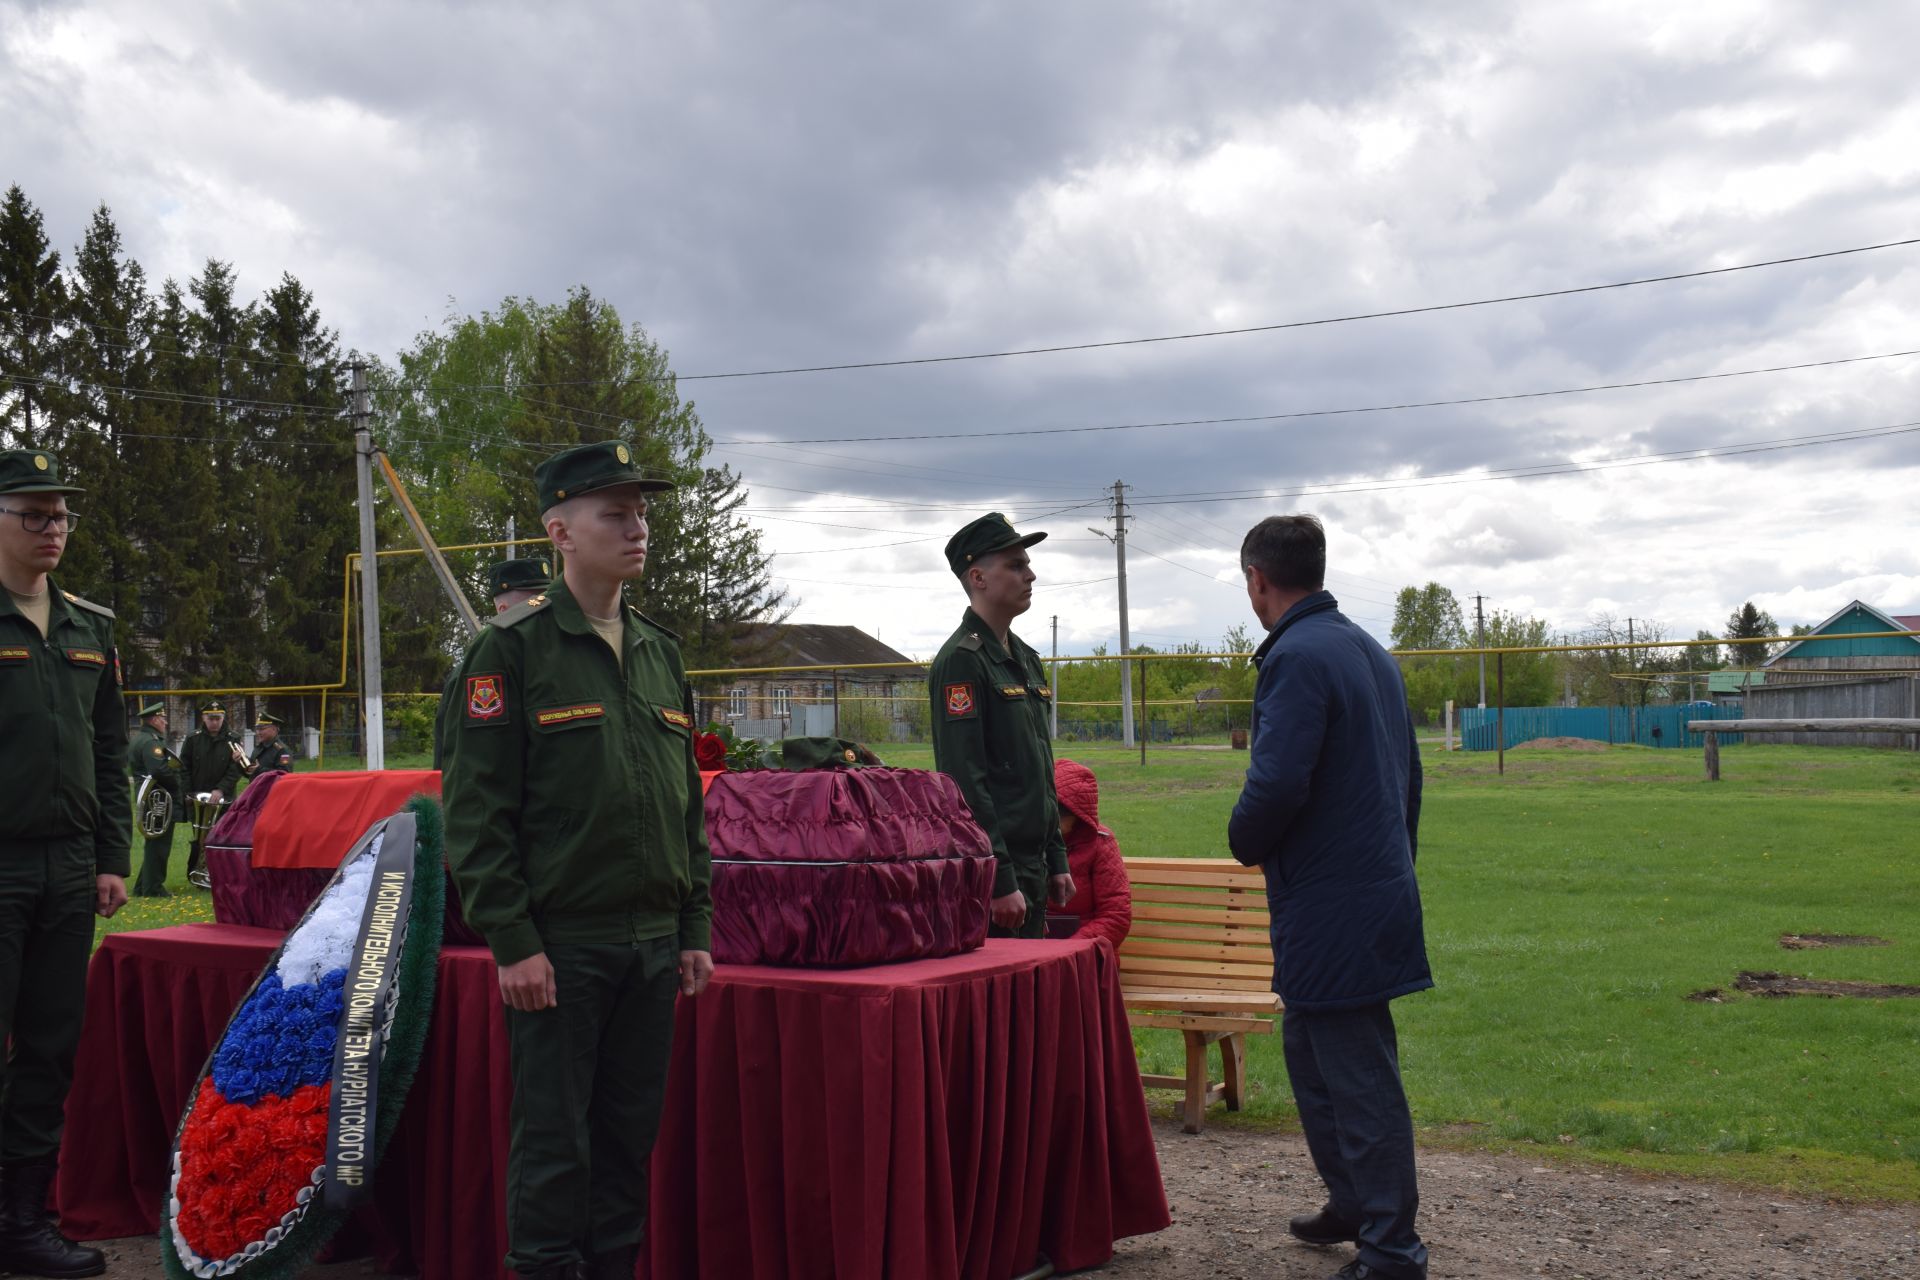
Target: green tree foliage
[(1430, 617), (1746, 623), (33, 302), (1531, 679), (476, 405), (1704, 653)]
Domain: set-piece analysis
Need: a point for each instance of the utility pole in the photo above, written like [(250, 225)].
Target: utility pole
[(374, 706), (1053, 678), (1119, 540), (1480, 642), (513, 552), (1633, 727)]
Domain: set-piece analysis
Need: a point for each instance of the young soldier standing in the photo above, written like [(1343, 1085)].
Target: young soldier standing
[(990, 698), (577, 836), (65, 837)]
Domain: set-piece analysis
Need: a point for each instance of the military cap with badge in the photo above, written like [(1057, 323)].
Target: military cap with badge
[(32, 471), (983, 537), (530, 573), (589, 468)]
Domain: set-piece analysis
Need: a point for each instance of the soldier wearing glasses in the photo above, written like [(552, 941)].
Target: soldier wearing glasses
[(65, 844)]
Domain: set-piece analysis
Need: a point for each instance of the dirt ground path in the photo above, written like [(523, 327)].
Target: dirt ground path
[(1484, 1216)]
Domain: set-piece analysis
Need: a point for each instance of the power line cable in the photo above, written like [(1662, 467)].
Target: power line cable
[(1428, 309), (1342, 487), (1337, 412)]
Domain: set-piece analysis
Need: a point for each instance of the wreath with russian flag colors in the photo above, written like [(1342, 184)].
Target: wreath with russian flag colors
[(301, 1093)]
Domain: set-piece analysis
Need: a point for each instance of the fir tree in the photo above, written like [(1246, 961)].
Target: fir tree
[(32, 307)]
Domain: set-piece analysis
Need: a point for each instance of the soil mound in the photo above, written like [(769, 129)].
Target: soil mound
[(1564, 744), (1781, 984)]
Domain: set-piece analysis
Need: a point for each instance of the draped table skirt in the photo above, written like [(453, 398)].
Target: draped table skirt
[(956, 1118)]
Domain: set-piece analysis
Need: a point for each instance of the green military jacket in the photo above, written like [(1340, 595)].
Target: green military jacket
[(209, 762), (990, 735), (573, 803), (268, 756), (148, 757), (64, 741)]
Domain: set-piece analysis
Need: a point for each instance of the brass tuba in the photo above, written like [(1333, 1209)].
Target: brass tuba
[(156, 808)]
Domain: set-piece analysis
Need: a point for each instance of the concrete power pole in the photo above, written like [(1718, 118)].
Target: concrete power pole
[(1119, 540), (1480, 642), (1053, 678), (374, 707)]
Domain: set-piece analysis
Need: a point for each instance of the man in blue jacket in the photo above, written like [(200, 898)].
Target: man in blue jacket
[(1329, 812)]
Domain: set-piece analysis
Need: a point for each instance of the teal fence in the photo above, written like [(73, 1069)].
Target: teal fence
[(1657, 726)]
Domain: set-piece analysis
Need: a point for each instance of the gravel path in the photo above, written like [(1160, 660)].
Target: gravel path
[(1490, 1216)]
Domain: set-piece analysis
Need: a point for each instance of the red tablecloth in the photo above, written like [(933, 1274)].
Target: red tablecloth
[(943, 1118)]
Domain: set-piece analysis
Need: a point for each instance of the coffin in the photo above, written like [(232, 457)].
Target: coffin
[(843, 867), (278, 845)]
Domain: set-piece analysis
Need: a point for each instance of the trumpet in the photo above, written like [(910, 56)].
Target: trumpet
[(240, 756), (156, 808)]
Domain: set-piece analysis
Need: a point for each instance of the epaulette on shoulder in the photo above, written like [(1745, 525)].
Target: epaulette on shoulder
[(668, 632), (970, 641), (520, 612), (88, 605)]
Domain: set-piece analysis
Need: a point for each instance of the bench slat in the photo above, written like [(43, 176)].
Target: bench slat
[(1202, 1001), (1177, 864), (1243, 1024), (1256, 953), (1204, 931), (1242, 879), (1239, 906), (1135, 961), (1198, 982)]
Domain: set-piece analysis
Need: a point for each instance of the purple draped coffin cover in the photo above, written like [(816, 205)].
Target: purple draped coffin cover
[(841, 867)]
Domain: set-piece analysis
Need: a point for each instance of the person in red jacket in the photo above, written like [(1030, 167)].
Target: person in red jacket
[(1104, 900)]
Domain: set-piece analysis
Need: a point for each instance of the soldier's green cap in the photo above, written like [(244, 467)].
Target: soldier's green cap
[(266, 719), (588, 468), (990, 533), (530, 573), (153, 709), (799, 754), (213, 709), (32, 471)]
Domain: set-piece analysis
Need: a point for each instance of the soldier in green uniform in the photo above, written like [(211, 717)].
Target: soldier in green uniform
[(148, 756), (577, 837), (270, 750), (209, 758), (990, 700), (65, 832), (509, 582)]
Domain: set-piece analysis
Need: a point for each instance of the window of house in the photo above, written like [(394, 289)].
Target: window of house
[(781, 700), (737, 704)]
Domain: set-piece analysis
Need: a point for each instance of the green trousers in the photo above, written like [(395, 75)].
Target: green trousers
[(589, 1078), (46, 933), (153, 866), (1031, 880)]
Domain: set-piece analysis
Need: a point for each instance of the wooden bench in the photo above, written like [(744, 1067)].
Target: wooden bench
[(1198, 960)]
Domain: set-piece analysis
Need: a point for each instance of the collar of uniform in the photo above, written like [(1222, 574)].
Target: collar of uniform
[(572, 618), (58, 610), (1318, 602), (990, 641)]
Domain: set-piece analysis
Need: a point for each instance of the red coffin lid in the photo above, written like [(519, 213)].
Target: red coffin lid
[(841, 815)]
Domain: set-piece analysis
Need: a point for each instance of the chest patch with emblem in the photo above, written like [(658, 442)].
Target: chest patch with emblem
[(567, 715), (679, 719), (960, 699), (486, 698)]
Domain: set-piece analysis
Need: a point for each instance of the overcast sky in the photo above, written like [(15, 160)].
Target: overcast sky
[(772, 185)]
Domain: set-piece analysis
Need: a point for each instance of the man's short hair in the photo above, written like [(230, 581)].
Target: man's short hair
[(1290, 550)]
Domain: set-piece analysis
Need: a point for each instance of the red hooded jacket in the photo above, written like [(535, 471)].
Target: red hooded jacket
[(1102, 898)]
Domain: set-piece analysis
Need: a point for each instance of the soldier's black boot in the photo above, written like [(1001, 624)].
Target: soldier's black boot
[(30, 1245), (615, 1264)]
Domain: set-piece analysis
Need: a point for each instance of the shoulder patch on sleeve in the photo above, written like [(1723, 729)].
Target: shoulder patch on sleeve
[(88, 605), (484, 696), (520, 612), (960, 701)]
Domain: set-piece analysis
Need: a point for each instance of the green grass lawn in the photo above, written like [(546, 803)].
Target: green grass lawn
[(1571, 907)]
